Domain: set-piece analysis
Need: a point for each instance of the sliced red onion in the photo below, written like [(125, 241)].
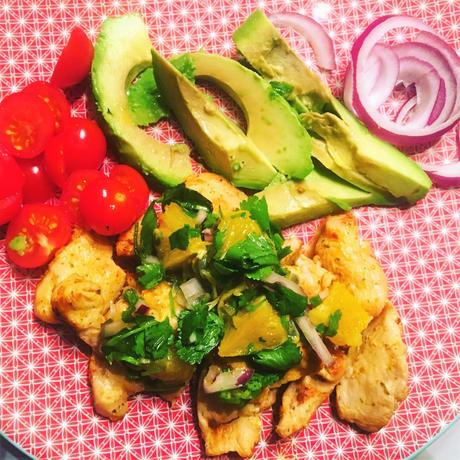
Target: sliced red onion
[(207, 235), (314, 339), (405, 109), (217, 379), (192, 290), (200, 216), (444, 175), (445, 103), (142, 309), (274, 278), (313, 32)]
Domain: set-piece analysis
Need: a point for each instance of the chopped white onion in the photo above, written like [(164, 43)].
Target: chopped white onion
[(200, 216), (274, 278), (113, 327), (218, 380), (314, 339), (152, 260), (192, 290)]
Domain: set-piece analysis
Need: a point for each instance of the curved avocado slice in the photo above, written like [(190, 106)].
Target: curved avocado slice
[(219, 141), (267, 113), (121, 52), (374, 163), (319, 194)]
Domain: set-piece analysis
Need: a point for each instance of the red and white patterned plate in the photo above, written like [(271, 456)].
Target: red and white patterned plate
[(45, 404)]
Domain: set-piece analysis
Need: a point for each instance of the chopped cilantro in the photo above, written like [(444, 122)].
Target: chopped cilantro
[(281, 88), (184, 65), (315, 301), (286, 301), (280, 358), (330, 330), (258, 211), (199, 332), (180, 238), (151, 275), (132, 297), (210, 221), (145, 246), (189, 200)]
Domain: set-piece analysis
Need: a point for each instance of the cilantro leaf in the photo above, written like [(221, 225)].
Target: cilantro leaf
[(145, 100), (199, 332), (281, 358), (184, 65), (281, 88), (147, 237), (211, 220), (258, 210), (286, 301), (252, 253), (148, 340), (259, 274), (249, 391), (189, 200), (315, 301), (180, 238), (151, 275), (132, 297), (330, 330), (245, 300), (278, 240)]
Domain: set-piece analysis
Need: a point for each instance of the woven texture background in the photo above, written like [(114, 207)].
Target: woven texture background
[(45, 403)]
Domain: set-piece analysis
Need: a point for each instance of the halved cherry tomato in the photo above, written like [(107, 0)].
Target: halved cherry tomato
[(11, 185), (26, 125), (135, 183), (74, 63), (53, 160), (9, 207), (81, 145), (36, 233), (38, 187), (107, 207), (54, 98), (84, 145), (72, 190)]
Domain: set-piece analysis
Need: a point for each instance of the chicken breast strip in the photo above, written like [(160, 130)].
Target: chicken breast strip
[(375, 381)]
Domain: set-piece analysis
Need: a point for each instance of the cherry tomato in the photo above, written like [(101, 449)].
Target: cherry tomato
[(81, 145), (84, 145), (53, 160), (72, 190), (135, 183), (36, 233), (11, 185), (38, 187), (74, 63), (107, 207), (9, 207), (26, 125)]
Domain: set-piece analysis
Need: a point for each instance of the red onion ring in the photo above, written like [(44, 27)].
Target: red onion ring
[(443, 105), (313, 32)]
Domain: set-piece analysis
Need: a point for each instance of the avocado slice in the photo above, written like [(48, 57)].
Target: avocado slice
[(362, 158), (267, 113), (260, 43), (219, 141), (319, 194), (122, 52)]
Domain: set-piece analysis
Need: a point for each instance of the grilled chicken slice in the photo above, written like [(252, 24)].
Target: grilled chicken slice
[(110, 389), (79, 285), (302, 398), (222, 194), (352, 261), (375, 381), (228, 429)]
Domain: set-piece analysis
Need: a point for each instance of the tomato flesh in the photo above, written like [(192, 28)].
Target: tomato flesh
[(74, 63), (73, 188), (36, 233), (26, 125), (54, 98), (135, 183), (38, 187), (107, 207)]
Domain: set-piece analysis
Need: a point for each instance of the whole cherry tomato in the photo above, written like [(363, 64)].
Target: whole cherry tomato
[(36, 233), (74, 63), (135, 183), (54, 98), (107, 207), (11, 187), (26, 125), (38, 187)]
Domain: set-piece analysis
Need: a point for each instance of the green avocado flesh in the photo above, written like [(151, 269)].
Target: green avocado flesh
[(122, 52), (354, 154), (272, 123), (220, 142), (319, 194)]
